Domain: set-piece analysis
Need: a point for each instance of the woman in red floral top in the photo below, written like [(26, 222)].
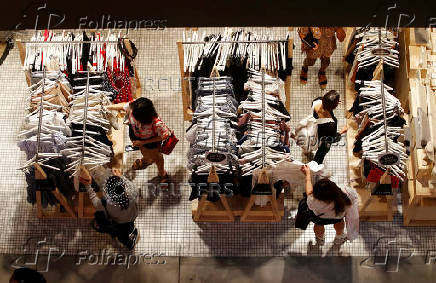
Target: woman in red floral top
[(146, 131)]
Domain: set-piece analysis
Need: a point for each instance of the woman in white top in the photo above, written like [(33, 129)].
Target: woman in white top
[(330, 204)]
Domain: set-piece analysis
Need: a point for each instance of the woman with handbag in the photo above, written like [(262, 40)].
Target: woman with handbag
[(318, 42), (117, 210), (148, 132), (330, 205)]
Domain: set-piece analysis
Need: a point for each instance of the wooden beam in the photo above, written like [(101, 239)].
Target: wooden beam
[(186, 95), (288, 81)]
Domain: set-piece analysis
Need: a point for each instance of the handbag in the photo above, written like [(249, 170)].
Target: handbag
[(309, 40), (306, 134), (169, 144), (304, 214)]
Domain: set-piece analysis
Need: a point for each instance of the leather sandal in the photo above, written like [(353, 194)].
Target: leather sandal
[(322, 79), (303, 75), (164, 179), (140, 164)]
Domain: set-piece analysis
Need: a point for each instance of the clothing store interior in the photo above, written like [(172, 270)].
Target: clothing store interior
[(243, 150)]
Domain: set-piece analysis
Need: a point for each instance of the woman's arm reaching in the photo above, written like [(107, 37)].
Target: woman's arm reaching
[(306, 170)]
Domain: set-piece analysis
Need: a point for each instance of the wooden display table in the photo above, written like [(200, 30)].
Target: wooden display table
[(228, 208)]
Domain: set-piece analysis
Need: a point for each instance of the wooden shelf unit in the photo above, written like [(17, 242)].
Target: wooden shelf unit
[(218, 212), (415, 86)]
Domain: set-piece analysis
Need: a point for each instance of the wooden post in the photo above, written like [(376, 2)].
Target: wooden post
[(22, 51), (288, 81), (41, 175), (185, 83), (117, 138)]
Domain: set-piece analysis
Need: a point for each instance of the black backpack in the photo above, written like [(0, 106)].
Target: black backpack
[(304, 214)]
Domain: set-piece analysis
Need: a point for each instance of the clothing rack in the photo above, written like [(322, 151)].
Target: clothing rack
[(203, 210), (85, 116), (68, 45), (372, 207), (271, 212), (233, 41), (38, 135), (41, 175), (69, 41), (185, 75)]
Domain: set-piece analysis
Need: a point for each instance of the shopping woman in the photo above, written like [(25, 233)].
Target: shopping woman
[(146, 131), (327, 123), (318, 42), (330, 205), (119, 203)]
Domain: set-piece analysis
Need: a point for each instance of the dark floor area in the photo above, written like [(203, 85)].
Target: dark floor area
[(98, 268)]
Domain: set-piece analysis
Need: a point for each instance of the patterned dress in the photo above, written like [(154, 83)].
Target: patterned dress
[(326, 40)]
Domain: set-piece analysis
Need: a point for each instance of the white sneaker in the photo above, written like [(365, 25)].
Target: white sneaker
[(339, 240)]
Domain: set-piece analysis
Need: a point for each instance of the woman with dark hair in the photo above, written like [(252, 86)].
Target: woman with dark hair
[(119, 203), (327, 123), (330, 204), (146, 131)]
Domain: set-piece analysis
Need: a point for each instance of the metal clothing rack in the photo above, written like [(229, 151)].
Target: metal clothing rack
[(233, 41), (273, 213), (41, 107), (185, 76), (22, 49), (263, 119), (69, 41), (85, 116), (41, 175)]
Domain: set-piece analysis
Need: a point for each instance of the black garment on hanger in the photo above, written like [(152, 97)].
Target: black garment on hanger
[(213, 194), (55, 179), (101, 136)]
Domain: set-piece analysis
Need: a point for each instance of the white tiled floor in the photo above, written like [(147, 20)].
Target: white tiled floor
[(165, 220)]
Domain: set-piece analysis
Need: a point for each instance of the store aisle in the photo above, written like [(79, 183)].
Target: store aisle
[(165, 220)]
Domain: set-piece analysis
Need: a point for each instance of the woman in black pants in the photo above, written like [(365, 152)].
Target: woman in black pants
[(119, 203), (327, 123)]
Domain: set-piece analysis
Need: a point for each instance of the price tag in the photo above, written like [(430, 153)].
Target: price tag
[(381, 52), (388, 159), (382, 190), (216, 157)]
